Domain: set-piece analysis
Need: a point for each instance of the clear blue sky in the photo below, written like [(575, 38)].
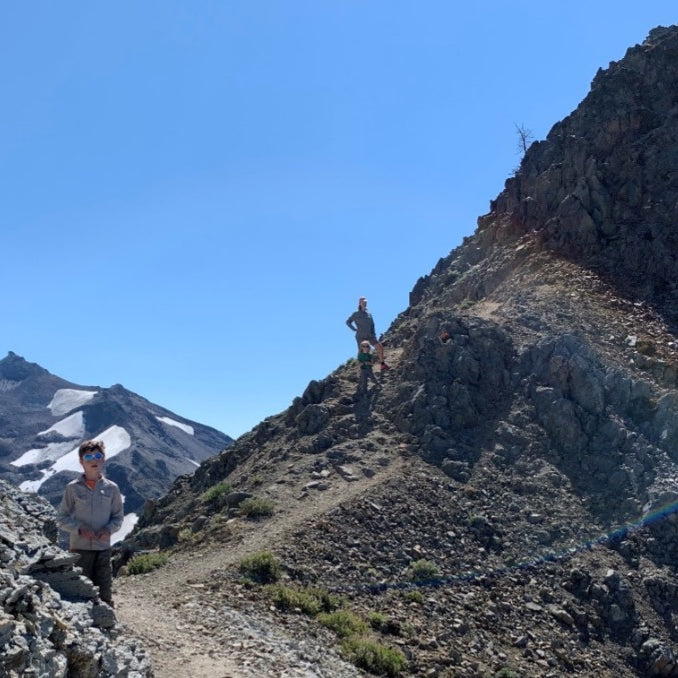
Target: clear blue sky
[(193, 195)]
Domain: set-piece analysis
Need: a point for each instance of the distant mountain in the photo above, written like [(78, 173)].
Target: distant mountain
[(43, 419)]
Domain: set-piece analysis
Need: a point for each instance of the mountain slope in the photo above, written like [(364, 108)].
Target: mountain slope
[(43, 419), (524, 443)]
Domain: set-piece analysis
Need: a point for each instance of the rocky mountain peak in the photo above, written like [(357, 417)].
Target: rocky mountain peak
[(602, 188), (43, 419), (14, 368)]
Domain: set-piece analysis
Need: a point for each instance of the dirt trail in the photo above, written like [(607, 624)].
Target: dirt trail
[(161, 607), (177, 651)]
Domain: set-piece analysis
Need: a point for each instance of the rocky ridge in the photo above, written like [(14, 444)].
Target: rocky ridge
[(523, 441)]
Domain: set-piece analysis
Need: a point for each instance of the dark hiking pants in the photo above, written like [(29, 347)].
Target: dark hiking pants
[(365, 374), (96, 565)]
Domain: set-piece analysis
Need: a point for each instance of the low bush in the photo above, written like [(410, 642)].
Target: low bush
[(295, 600), (414, 597), (216, 491), (376, 619), (310, 601), (146, 562), (423, 570), (375, 658), (343, 622), (185, 535), (261, 568), (256, 507)]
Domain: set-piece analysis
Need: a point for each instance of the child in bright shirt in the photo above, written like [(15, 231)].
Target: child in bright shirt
[(365, 360)]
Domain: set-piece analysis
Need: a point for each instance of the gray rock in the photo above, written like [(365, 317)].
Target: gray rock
[(51, 621)]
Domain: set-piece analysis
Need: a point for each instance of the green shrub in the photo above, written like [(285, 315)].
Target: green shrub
[(375, 658), (329, 601), (294, 600), (310, 601), (146, 562), (262, 568), (185, 535), (407, 629), (376, 619), (505, 673), (414, 597), (216, 491), (255, 508), (423, 570), (343, 622)]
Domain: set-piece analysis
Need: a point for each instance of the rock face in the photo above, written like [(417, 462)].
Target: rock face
[(51, 620), (602, 189), (533, 391), (43, 419)]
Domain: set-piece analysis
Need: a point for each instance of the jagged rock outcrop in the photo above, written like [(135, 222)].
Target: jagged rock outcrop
[(601, 189), (52, 622)]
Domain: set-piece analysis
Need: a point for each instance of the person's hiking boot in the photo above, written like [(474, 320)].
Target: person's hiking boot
[(384, 367)]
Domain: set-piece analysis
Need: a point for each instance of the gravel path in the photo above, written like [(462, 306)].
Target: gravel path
[(181, 611)]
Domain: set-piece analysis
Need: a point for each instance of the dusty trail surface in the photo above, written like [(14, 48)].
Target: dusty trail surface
[(182, 612)]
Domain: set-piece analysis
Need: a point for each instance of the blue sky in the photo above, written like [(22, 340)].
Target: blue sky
[(194, 195)]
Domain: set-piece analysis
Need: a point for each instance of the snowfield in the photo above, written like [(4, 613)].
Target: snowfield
[(115, 438), (73, 426), (52, 452), (67, 399), (171, 422), (128, 523)]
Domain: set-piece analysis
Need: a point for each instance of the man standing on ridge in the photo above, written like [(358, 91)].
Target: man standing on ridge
[(362, 323)]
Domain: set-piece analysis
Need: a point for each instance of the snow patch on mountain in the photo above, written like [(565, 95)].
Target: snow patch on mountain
[(115, 438), (171, 422), (37, 455), (72, 426), (128, 523), (67, 399), (8, 384)]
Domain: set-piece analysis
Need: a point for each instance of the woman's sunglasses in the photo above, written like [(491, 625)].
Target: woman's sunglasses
[(91, 456)]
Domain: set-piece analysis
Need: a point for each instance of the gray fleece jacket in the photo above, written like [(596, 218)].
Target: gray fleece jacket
[(364, 324), (98, 509)]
